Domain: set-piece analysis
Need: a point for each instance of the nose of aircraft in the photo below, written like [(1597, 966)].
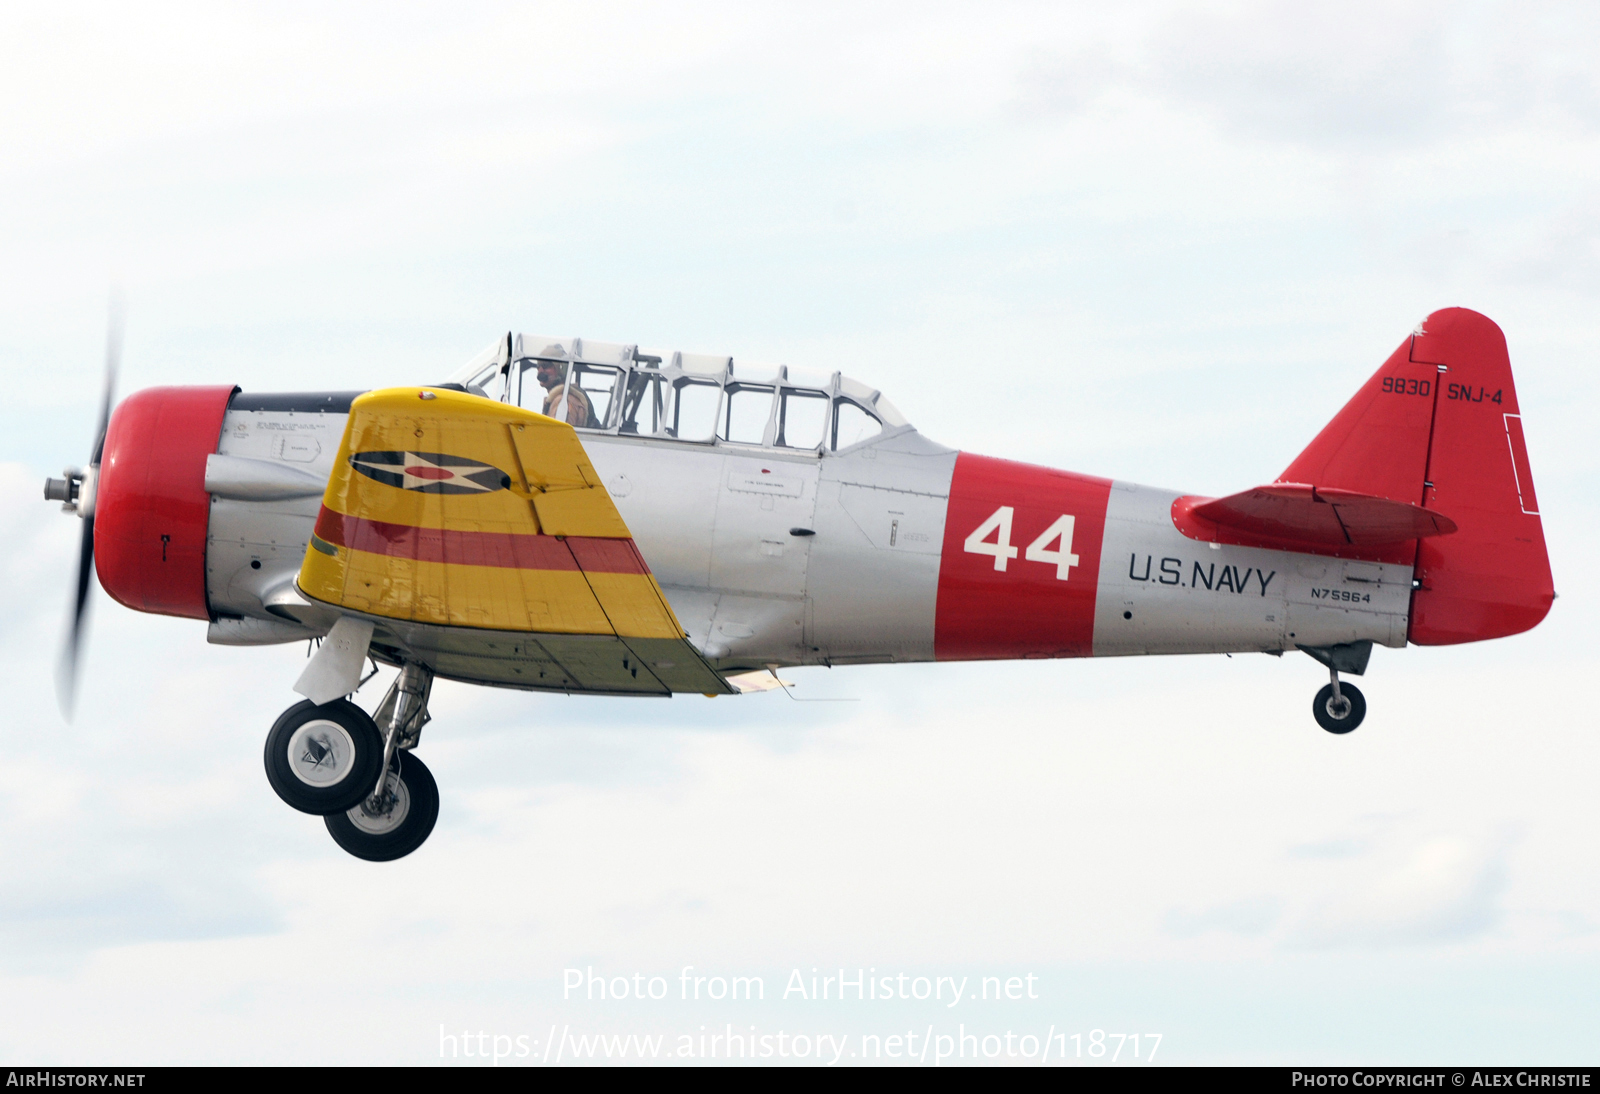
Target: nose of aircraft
[(151, 507)]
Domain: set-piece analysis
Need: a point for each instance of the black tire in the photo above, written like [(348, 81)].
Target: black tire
[(323, 759), (1329, 715), (414, 807)]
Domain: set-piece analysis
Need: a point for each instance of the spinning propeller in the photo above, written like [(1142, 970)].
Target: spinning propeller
[(76, 492)]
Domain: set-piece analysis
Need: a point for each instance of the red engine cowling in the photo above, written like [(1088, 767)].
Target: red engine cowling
[(151, 508)]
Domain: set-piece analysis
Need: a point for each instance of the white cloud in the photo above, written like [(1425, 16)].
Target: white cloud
[(1444, 889)]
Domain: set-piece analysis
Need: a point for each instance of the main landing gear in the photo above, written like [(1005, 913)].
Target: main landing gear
[(1339, 707), (377, 799)]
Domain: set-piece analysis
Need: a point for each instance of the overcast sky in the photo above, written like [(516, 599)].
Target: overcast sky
[(1159, 242)]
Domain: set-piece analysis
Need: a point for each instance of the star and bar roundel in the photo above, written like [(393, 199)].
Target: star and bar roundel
[(430, 472)]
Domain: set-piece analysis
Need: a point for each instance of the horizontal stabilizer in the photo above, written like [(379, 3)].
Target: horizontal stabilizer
[(1295, 512)]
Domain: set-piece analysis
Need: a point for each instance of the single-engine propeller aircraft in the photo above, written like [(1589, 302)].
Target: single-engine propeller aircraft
[(592, 518)]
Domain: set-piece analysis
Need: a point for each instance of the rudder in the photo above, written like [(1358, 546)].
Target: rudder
[(1492, 578)]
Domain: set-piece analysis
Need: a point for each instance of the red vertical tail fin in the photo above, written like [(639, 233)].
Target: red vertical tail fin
[(1492, 578), (1438, 425), (1378, 444)]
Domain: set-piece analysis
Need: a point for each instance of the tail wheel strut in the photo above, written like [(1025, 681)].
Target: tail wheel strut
[(1339, 707)]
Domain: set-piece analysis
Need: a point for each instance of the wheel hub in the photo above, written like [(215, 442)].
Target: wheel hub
[(389, 815), (321, 753)]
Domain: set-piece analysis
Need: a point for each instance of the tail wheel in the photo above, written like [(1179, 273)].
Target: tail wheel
[(400, 823), (323, 759), (1339, 715)]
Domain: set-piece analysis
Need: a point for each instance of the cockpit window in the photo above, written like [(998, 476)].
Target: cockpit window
[(749, 407), (644, 407), (530, 392), (485, 372), (802, 419), (600, 385), (658, 406), (694, 416), (576, 392), (852, 425), (690, 397)]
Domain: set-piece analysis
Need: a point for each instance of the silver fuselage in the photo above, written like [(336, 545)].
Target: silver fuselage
[(723, 527)]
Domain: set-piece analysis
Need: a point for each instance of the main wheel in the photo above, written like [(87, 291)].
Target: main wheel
[(1339, 716), (411, 805), (324, 759)]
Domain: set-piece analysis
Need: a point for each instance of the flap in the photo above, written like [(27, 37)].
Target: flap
[(586, 512), (1289, 513)]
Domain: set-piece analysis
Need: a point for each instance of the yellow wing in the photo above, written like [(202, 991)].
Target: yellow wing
[(450, 510)]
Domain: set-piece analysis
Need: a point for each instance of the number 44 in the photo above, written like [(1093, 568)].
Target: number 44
[(998, 525)]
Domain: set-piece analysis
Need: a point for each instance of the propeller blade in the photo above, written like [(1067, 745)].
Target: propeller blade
[(108, 390), (77, 629), (67, 669)]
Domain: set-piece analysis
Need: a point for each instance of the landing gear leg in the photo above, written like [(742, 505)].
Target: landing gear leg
[(1339, 708), (399, 812)]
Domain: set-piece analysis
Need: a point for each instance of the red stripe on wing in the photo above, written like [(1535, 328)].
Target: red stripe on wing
[(508, 550)]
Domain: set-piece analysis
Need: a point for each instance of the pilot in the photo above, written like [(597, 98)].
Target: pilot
[(579, 412)]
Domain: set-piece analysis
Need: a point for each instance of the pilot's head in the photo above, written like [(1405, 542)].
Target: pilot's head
[(551, 373)]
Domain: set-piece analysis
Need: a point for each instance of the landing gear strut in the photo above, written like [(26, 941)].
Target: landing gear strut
[(378, 800), (399, 813)]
